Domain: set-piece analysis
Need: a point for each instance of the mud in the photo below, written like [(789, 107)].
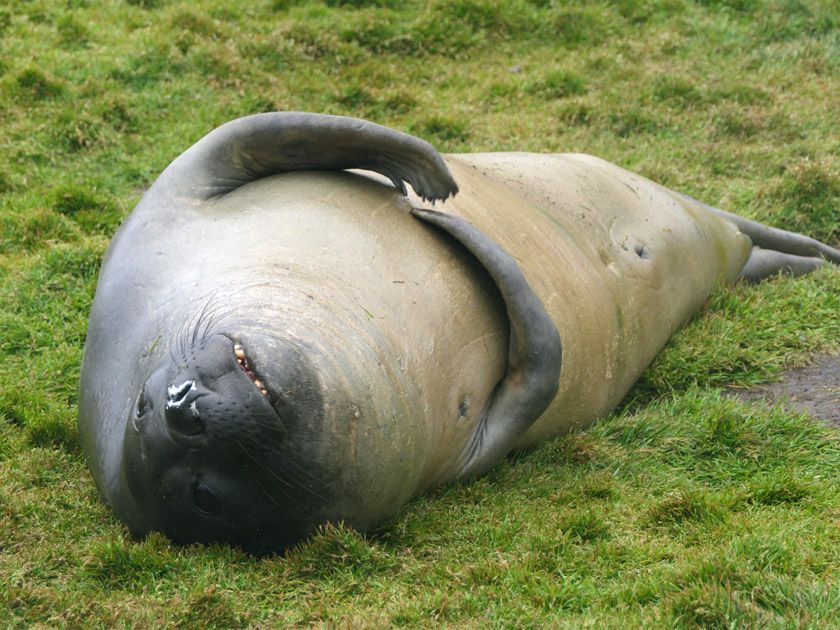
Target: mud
[(814, 389)]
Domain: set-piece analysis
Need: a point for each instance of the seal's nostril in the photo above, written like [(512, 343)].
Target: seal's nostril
[(181, 411), (176, 395)]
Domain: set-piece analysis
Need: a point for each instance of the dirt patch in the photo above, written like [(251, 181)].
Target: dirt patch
[(814, 389)]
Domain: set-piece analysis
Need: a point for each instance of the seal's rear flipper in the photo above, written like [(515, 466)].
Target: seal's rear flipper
[(256, 146), (776, 250), (534, 354), (764, 263)]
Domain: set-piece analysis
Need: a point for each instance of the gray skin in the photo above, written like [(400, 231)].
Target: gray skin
[(388, 347)]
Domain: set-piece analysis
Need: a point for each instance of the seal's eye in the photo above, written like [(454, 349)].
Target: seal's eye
[(204, 499), (142, 403), (141, 408)]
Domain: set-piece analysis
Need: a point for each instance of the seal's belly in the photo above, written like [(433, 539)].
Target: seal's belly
[(618, 261)]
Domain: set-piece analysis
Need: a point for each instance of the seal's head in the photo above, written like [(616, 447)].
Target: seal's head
[(208, 453)]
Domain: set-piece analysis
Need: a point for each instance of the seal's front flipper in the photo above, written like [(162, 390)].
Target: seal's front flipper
[(764, 263), (534, 354), (248, 148)]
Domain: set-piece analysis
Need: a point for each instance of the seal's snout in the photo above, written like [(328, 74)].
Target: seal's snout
[(211, 452), (181, 412)]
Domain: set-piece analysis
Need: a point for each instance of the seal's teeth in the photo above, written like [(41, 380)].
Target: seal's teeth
[(243, 362)]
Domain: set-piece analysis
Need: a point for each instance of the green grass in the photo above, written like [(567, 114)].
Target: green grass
[(685, 509)]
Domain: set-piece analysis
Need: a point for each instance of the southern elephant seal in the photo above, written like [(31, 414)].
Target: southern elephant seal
[(276, 343)]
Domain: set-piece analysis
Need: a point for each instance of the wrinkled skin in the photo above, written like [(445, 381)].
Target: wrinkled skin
[(276, 344)]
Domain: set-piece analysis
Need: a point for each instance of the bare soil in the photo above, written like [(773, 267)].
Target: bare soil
[(814, 389)]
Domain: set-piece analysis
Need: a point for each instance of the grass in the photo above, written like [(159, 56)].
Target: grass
[(684, 509)]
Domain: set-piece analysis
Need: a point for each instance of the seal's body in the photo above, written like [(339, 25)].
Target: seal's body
[(276, 344)]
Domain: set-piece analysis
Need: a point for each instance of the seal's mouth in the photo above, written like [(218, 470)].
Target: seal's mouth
[(242, 359)]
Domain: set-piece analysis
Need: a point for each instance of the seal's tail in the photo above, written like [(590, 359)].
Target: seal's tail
[(778, 251)]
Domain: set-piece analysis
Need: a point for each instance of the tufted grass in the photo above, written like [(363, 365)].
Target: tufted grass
[(685, 509)]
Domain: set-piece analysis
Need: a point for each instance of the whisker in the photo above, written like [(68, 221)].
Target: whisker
[(201, 315), (297, 472), (292, 469), (279, 481)]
